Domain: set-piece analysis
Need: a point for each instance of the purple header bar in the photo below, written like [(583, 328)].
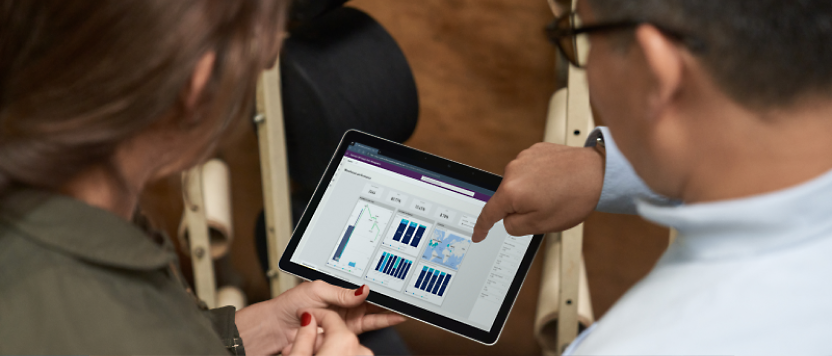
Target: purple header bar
[(415, 175)]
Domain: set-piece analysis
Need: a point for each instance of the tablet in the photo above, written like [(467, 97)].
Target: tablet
[(400, 220)]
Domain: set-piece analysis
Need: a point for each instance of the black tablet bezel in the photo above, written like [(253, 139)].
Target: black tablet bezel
[(439, 165)]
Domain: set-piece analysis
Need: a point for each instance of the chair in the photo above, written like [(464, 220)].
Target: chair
[(338, 70)]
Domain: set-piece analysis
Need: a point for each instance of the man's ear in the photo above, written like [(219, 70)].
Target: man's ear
[(664, 60), (199, 78)]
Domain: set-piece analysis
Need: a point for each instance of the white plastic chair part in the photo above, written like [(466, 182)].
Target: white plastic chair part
[(231, 295), (546, 318), (216, 193), (275, 176), (197, 226), (569, 122), (549, 309)]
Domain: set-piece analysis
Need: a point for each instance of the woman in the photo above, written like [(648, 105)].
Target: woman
[(97, 98)]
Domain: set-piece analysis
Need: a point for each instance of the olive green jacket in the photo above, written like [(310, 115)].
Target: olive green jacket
[(75, 279)]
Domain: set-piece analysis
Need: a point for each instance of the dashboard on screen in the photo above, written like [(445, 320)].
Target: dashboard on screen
[(406, 231)]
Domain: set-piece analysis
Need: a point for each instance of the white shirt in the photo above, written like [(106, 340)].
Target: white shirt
[(745, 276)]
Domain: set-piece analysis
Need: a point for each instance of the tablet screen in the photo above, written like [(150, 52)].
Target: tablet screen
[(405, 231)]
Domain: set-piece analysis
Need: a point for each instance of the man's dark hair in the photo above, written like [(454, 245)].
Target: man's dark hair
[(763, 53)]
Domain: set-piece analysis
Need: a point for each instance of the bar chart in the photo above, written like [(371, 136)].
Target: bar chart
[(407, 234), (431, 283), (359, 237), (389, 270)]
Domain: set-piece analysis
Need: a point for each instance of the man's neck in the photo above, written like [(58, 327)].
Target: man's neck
[(744, 153)]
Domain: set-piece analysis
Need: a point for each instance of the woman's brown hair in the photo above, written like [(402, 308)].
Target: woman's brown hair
[(77, 77)]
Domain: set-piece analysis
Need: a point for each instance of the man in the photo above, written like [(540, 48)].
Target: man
[(725, 108)]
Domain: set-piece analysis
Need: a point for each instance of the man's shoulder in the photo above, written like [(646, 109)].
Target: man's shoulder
[(774, 302)]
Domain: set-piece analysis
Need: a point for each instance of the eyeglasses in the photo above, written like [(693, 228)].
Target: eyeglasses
[(564, 34)]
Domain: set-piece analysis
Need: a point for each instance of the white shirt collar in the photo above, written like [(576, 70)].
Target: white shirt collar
[(748, 226)]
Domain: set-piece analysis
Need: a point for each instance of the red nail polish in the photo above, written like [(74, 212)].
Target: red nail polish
[(305, 319), (360, 290)]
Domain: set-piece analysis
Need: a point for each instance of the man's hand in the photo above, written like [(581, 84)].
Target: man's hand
[(547, 188), (271, 326)]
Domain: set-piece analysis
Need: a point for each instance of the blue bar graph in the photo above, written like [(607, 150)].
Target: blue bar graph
[(444, 284), (426, 280), (393, 265), (343, 243), (398, 270), (433, 281), (389, 265), (346, 238), (404, 270), (400, 230), (381, 260), (421, 276), (409, 233), (435, 289), (418, 236)]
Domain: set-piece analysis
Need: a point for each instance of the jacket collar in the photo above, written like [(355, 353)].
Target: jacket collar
[(83, 231), (748, 226)]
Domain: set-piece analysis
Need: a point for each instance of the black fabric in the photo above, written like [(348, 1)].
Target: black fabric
[(305, 10), (385, 341), (342, 71)]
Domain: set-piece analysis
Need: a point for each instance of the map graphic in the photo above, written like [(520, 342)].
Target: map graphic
[(446, 248)]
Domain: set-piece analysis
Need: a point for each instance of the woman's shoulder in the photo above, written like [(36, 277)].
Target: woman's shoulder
[(54, 302)]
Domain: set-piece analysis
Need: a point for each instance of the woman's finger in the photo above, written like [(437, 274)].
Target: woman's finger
[(364, 351), (329, 320), (338, 339), (304, 343), (332, 325), (379, 321), (337, 296)]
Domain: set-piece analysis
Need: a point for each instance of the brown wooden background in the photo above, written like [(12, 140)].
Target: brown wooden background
[(484, 72)]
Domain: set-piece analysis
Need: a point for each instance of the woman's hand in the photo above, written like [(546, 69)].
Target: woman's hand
[(336, 338), (271, 326)]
